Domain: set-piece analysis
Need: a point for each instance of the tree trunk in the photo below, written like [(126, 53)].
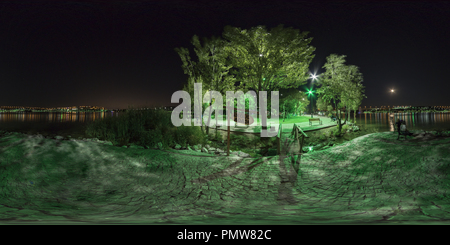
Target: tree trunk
[(201, 106), (216, 125), (209, 118), (348, 113), (339, 126)]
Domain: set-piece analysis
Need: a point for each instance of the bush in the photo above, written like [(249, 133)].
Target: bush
[(191, 135), (323, 137), (336, 132), (240, 141), (146, 128), (344, 128), (150, 138)]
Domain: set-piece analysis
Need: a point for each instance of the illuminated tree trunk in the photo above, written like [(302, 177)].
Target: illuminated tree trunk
[(209, 118), (348, 109)]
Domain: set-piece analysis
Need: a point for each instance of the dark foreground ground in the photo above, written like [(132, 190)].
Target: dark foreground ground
[(373, 179)]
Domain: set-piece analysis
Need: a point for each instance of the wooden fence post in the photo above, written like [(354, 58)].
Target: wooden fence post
[(228, 141), (280, 132)]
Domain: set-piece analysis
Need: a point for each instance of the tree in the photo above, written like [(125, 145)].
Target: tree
[(212, 57), (332, 82), (301, 106), (329, 109), (291, 101), (353, 88), (322, 104), (189, 68), (265, 61), (210, 68), (337, 83), (357, 99)]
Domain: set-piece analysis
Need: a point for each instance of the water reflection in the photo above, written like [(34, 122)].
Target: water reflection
[(76, 121), (414, 121), (54, 117), (51, 123)]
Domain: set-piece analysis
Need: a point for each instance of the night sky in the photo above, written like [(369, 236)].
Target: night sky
[(120, 53)]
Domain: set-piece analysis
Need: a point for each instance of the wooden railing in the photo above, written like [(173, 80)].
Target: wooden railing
[(280, 132), (296, 131)]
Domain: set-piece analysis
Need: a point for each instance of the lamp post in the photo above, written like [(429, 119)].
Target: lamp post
[(310, 92)]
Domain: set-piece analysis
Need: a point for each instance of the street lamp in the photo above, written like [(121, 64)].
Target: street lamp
[(310, 92)]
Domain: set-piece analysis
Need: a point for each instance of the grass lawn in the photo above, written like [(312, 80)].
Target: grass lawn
[(296, 119)]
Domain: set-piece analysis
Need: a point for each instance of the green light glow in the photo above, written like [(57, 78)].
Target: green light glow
[(310, 92)]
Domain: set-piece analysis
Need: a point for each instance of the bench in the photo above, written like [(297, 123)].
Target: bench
[(314, 119)]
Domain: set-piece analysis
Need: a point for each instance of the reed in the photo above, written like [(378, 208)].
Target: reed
[(146, 128)]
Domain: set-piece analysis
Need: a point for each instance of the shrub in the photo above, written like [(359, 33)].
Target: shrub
[(323, 137), (239, 141), (191, 135), (146, 128), (336, 132), (344, 128)]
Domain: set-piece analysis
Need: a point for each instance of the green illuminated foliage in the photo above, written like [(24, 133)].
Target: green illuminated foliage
[(323, 137), (268, 60), (341, 84), (145, 128), (323, 104), (292, 101), (210, 69), (345, 127)]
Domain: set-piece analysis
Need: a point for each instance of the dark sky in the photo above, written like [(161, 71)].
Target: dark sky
[(120, 53)]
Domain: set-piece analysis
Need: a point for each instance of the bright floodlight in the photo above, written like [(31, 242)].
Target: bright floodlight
[(392, 90), (313, 76)]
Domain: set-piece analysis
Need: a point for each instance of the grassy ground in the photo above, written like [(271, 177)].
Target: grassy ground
[(292, 119), (295, 119), (371, 178)]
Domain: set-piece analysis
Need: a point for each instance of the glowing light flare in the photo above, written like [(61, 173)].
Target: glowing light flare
[(310, 92)]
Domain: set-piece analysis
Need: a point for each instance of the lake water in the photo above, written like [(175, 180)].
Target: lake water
[(74, 124), (51, 123), (414, 121)]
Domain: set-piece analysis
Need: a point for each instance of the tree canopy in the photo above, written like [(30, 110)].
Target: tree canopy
[(292, 101), (341, 84), (268, 60)]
